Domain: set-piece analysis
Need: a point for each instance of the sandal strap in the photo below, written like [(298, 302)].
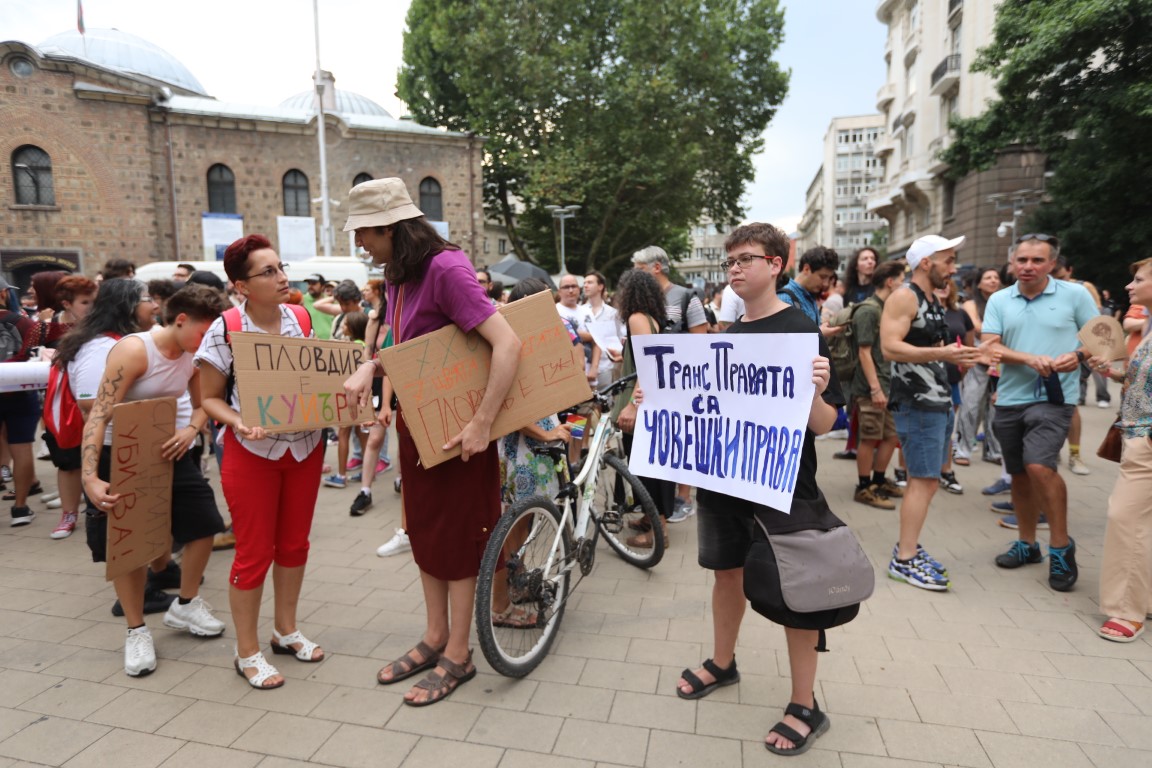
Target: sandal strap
[(717, 672), (256, 661), (810, 716), (307, 647), (407, 663), (453, 669), (789, 733), (690, 677)]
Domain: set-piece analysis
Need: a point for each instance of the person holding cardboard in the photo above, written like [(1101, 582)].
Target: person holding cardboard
[(143, 366), (432, 284)]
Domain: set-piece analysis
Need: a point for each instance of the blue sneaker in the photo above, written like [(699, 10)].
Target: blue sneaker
[(1003, 507), (681, 511), (923, 553), (1062, 570), (1011, 523), (997, 488), (336, 481), (917, 572)]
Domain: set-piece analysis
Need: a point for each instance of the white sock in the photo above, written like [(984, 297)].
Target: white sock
[(365, 490)]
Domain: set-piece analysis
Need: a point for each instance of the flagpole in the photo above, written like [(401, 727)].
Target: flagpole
[(326, 223), (80, 26)]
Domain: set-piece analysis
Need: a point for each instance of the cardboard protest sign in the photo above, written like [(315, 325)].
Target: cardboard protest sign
[(1104, 337), (291, 384), (727, 413), (440, 377), (140, 524)]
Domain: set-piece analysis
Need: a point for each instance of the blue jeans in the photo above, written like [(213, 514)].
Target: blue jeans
[(925, 437)]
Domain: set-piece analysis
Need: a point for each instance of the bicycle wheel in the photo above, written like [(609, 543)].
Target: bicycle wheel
[(622, 509), (516, 638)]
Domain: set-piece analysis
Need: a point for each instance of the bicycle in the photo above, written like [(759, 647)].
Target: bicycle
[(539, 543)]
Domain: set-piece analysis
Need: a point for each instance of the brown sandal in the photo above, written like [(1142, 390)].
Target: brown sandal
[(409, 666), (439, 686)]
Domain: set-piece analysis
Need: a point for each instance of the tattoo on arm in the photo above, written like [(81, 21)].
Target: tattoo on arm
[(98, 418)]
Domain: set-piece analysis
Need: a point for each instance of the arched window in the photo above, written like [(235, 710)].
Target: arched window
[(431, 200), (221, 189), (32, 176), (296, 197), (361, 178)]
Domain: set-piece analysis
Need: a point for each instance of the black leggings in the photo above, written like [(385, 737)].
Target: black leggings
[(663, 492)]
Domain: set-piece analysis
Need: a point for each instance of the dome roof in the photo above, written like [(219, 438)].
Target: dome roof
[(347, 103), (121, 51)]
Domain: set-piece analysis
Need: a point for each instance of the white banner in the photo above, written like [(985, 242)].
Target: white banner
[(17, 377), (606, 335), (220, 230), (296, 236), (726, 413)]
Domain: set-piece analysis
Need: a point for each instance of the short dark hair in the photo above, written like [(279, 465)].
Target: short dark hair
[(886, 270), (114, 268), (772, 239), (236, 255), (161, 288), (598, 275), (204, 277), (357, 323), (347, 290), (188, 267), (198, 302), (819, 257)]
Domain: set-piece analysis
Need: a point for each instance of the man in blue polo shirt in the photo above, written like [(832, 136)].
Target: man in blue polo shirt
[(813, 278), (1031, 328)]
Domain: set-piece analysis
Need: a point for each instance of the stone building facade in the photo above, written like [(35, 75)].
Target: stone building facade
[(129, 154)]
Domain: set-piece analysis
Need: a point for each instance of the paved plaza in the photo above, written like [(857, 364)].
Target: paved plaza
[(1000, 671)]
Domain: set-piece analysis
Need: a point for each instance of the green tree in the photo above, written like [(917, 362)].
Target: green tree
[(1074, 79), (645, 114)]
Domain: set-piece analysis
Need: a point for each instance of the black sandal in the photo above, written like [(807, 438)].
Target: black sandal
[(33, 491), (700, 689), (816, 720)]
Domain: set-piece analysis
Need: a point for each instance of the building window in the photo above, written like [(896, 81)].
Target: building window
[(221, 189), (361, 178), (431, 201), (502, 246), (948, 200), (296, 197), (32, 176)]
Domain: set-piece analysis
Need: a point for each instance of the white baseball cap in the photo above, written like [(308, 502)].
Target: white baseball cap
[(928, 245)]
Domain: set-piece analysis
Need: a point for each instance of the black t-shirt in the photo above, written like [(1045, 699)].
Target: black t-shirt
[(789, 320), (959, 323)]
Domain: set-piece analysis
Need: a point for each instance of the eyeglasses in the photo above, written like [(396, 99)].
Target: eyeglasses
[(270, 272), (1051, 240), (147, 300), (744, 260)]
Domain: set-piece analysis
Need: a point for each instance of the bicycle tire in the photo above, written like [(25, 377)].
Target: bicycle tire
[(614, 516), (516, 651)]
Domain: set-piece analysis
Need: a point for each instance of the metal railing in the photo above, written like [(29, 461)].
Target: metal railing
[(949, 64)]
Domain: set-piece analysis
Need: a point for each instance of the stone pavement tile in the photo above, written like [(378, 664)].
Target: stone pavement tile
[(848, 733), (1010, 660), (1118, 671), (591, 646), (193, 755), (1007, 686), (396, 623), (871, 647), (17, 600), (559, 669), (652, 711), (51, 740), (1048, 621), (1102, 697), (371, 707), (140, 710), (346, 670), (588, 622), (73, 699), (1117, 757), (14, 720), (980, 713), (911, 675), (212, 684), (1069, 602), (17, 686), (122, 747), (167, 676), (518, 730), (883, 626), (934, 743), (581, 701), (1008, 751), (514, 758), (647, 627), (106, 635), (1061, 723), (211, 723), (620, 744), (907, 603), (735, 721), (348, 616), (690, 630), (492, 690), (354, 746), (272, 761), (341, 641), (437, 753), (973, 599), (1140, 695), (598, 584), (1134, 730), (694, 592), (850, 760), (945, 654), (759, 690), (286, 735), (1086, 643), (33, 656), (393, 601), (642, 651), (448, 719), (965, 614), (338, 594), (667, 748), (297, 697), (335, 574), (818, 756), (933, 630), (620, 676), (69, 606), (868, 701), (1034, 640), (75, 584), (92, 664), (674, 608), (651, 588)]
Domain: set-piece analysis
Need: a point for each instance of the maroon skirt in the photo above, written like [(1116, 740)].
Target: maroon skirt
[(450, 509)]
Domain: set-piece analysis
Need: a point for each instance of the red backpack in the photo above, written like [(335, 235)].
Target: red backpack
[(69, 429), (232, 325)]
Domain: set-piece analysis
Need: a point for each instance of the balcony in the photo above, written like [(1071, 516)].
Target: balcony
[(946, 75), (885, 96), (954, 7), (883, 148), (897, 124), (912, 46), (937, 166), (884, 10)]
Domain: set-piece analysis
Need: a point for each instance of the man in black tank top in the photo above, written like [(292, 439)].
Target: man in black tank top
[(913, 335)]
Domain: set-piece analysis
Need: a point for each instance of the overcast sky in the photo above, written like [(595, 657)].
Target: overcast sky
[(263, 51)]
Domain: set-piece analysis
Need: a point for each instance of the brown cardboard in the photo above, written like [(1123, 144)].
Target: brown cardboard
[(140, 523), (1103, 337), (440, 377), (290, 384)]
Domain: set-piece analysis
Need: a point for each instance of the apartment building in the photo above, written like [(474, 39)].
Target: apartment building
[(930, 47)]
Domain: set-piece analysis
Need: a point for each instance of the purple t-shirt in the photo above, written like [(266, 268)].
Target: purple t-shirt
[(447, 293)]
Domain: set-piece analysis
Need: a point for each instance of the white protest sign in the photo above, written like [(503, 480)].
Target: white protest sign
[(727, 413), (606, 335)]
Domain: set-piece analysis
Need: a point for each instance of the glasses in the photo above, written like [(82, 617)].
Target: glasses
[(1052, 241), (744, 260), (270, 272), (147, 300)]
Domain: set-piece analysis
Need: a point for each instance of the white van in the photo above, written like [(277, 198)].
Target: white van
[(334, 269)]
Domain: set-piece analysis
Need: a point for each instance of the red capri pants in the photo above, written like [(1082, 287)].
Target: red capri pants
[(272, 503)]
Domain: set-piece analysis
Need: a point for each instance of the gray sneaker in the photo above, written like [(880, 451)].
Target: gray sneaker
[(681, 511)]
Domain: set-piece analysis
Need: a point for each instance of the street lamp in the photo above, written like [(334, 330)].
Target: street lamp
[(562, 212)]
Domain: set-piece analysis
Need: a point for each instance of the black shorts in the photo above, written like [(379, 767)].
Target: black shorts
[(20, 412), (723, 531), (64, 459)]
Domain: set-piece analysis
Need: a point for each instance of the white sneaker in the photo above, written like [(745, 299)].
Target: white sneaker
[(1077, 466), (50, 496), (139, 653), (395, 545), (196, 617), (1102, 404), (54, 504), (43, 453)]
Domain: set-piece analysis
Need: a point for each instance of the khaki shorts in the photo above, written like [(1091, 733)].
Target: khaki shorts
[(875, 423)]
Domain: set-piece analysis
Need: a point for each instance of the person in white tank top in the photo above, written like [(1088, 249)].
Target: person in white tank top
[(143, 366)]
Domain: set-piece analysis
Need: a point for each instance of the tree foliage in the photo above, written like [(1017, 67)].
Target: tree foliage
[(1074, 79), (645, 114)]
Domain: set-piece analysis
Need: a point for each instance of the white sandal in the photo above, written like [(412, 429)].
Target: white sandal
[(283, 644), (264, 670)]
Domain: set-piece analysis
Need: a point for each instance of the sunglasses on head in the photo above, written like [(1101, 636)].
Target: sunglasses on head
[(1050, 239)]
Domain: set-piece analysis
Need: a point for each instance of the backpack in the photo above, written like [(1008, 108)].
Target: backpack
[(681, 326), (233, 324), (68, 430), (843, 352), (11, 341)]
